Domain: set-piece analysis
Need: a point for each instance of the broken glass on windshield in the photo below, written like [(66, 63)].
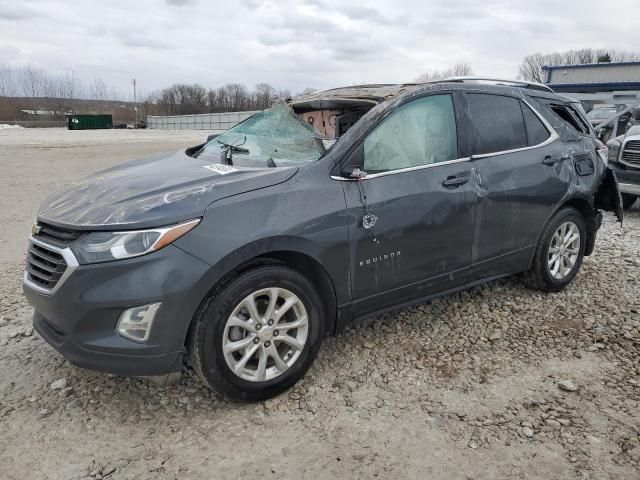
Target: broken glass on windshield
[(276, 134)]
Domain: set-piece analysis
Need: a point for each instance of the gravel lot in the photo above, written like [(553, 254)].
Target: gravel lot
[(500, 382)]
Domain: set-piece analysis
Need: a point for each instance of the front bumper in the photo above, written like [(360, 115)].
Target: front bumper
[(628, 178), (79, 318)]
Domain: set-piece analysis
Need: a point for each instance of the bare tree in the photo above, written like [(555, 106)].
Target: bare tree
[(283, 95), (458, 70), (306, 91), (7, 82), (263, 96), (182, 99), (72, 88), (31, 80), (98, 90), (531, 67), (114, 94)]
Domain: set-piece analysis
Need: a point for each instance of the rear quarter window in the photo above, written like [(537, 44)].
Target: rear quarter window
[(571, 117)]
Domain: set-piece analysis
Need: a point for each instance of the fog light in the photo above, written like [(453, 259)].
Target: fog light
[(135, 323)]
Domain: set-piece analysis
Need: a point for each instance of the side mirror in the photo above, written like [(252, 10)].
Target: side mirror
[(212, 136), (352, 168)]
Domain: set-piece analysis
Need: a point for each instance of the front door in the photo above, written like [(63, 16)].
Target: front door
[(411, 219)]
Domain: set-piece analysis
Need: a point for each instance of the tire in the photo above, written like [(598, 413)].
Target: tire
[(541, 275), (214, 333), (628, 200)]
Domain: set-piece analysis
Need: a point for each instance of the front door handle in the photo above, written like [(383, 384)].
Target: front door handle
[(454, 181)]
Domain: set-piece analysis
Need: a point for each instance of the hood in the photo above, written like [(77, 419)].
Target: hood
[(158, 190)]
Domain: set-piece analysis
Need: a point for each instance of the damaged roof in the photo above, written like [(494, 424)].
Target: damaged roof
[(370, 95), (348, 96)]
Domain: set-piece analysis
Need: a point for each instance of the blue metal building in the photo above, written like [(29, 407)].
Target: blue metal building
[(594, 77)]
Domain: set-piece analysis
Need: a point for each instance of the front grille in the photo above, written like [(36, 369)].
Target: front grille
[(633, 144), (44, 266), (60, 237), (631, 153)]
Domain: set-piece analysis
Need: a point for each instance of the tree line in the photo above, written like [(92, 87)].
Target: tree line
[(182, 99), (30, 90), (458, 70), (34, 90)]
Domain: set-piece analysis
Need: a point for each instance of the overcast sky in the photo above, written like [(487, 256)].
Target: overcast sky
[(299, 43)]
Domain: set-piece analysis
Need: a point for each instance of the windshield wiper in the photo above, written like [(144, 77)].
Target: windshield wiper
[(227, 153), (234, 147)]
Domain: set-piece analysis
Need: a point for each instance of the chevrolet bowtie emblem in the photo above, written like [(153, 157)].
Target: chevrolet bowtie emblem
[(35, 228)]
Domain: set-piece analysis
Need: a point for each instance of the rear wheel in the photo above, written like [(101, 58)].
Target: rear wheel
[(559, 252), (258, 334), (628, 200)]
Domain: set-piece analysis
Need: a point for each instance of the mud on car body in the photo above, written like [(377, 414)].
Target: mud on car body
[(240, 254)]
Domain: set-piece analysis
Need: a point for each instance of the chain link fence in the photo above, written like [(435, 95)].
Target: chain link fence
[(36, 123), (205, 121)]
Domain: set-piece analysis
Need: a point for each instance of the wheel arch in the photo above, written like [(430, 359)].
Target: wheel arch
[(588, 212), (300, 254), (314, 271)]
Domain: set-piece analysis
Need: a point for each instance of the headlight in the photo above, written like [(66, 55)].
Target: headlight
[(107, 246), (614, 150)]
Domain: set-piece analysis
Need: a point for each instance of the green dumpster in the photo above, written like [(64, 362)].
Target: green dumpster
[(89, 122)]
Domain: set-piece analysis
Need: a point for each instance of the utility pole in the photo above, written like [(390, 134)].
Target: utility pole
[(135, 105)]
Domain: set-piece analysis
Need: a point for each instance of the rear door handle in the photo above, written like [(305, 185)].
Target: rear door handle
[(553, 159), (454, 181)]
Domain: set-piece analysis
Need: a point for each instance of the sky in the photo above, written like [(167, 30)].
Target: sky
[(297, 44)]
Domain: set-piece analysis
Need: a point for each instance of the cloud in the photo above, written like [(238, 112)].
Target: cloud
[(143, 41), (293, 44), (17, 11), (371, 15)]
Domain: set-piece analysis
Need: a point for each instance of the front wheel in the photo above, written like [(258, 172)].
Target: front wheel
[(258, 334), (559, 252)]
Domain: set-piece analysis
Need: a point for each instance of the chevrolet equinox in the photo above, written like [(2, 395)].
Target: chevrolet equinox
[(240, 254)]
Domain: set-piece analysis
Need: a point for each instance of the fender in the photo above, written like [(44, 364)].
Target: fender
[(234, 261)]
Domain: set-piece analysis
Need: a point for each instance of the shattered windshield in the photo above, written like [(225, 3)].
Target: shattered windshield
[(276, 135)]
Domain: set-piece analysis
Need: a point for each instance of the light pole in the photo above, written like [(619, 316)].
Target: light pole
[(135, 105)]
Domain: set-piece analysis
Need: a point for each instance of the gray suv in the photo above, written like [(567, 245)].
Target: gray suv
[(239, 255)]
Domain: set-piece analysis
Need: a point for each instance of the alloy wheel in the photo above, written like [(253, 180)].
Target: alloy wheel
[(564, 250), (265, 334)]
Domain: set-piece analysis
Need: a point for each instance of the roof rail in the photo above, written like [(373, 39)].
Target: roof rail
[(502, 81)]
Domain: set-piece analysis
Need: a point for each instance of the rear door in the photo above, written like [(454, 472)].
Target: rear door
[(411, 218), (522, 172)]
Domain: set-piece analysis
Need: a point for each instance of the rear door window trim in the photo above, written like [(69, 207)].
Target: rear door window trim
[(553, 136)]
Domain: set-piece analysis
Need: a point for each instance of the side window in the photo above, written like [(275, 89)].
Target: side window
[(571, 117), (497, 122), (536, 131), (418, 133)]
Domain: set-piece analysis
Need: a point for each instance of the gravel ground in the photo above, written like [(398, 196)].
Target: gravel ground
[(499, 382)]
